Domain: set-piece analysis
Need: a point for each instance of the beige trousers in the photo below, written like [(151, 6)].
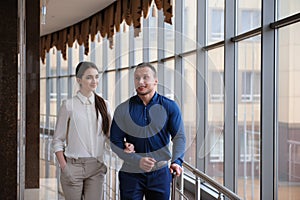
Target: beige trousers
[(83, 178)]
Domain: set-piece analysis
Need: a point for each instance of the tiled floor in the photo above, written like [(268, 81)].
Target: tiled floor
[(48, 191)]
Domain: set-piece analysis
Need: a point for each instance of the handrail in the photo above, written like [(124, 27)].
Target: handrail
[(228, 193), (293, 142)]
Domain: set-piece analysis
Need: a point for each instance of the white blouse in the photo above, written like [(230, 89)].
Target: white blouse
[(85, 137)]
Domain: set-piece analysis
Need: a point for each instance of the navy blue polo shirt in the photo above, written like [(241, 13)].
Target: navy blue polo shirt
[(149, 128)]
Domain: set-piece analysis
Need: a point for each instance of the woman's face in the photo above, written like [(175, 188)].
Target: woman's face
[(89, 80)]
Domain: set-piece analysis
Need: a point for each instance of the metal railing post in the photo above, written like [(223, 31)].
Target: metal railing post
[(197, 188), (220, 188), (173, 192), (181, 185)]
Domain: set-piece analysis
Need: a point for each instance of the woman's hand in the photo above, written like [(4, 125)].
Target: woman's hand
[(129, 148)]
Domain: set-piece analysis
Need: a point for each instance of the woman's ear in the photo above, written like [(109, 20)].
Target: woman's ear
[(78, 80)]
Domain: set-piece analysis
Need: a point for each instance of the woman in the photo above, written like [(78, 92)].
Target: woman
[(79, 139)]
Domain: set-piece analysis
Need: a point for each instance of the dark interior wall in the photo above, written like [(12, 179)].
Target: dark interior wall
[(8, 98), (9, 33), (32, 157)]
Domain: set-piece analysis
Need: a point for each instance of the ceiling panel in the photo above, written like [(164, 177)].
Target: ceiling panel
[(63, 13)]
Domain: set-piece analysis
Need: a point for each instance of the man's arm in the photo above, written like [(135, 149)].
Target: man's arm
[(178, 138), (117, 136)]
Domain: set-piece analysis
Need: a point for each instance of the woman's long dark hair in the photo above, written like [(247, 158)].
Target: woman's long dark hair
[(100, 104)]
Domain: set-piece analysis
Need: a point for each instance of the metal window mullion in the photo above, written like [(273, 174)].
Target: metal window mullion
[(70, 68), (179, 70), (81, 53), (230, 101), (201, 78), (118, 80), (58, 80), (268, 95), (105, 65), (146, 52), (22, 100), (93, 51), (131, 60), (160, 52), (47, 89), (48, 63)]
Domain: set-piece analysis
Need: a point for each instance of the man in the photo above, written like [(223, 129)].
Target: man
[(147, 121)]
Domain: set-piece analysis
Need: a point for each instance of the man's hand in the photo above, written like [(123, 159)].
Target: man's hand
[(175, 167), (129, 148), (147, 163)]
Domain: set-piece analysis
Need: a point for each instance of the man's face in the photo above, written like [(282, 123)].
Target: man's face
[(144, 81)]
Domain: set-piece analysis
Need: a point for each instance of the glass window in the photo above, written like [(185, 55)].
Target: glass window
[(111, 54), (63, 65), (75, 56), (189, 25), (215, 25), (53, 61), (248, 133), (216, 86), (287, 8), (98, 52), (288, 112), (250, 86), (43, 69), (168, 84), (123, 84), (53, 89), (249, 15), (250, 19), (43, 96), (169, 35), (111, 90), (87, 57), (124, 44), (190, 104), (214, 138), (53, 94), (138, 45), (63, 88), (152, 35)]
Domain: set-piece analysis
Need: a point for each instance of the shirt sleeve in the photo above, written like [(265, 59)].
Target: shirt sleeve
[(176, 128), (60, 132), (117, 136), (110, 114)]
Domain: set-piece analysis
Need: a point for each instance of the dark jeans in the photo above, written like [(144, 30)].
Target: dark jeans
[(154, 185)]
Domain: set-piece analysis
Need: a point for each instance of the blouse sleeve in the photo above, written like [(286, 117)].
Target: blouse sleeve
[(60, 132), (110, 115)]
